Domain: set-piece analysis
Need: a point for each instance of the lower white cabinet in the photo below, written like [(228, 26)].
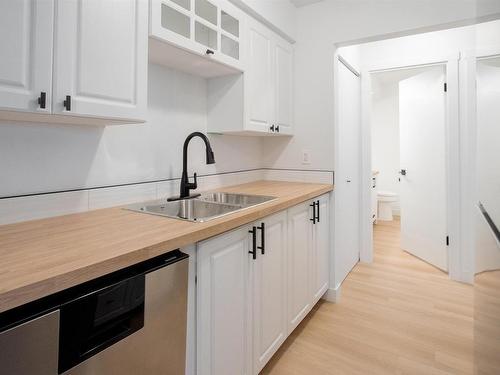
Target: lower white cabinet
[(223, 305), (320, 248), (299, 263), (256, 283), (269, 281)]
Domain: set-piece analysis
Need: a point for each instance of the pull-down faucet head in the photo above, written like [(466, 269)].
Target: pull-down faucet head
[(186, 186)]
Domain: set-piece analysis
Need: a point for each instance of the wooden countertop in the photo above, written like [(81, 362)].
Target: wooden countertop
[(41, 257)]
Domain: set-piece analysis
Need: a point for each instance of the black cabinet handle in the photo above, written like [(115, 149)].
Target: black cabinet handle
[(262, 246), (314, 212), (67, 103), (254, 242), (42, 99), (209, 52), (317, 217), (277, 128), (272, 128)]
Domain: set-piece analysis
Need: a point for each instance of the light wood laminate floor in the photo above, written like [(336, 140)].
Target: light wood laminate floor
[(398, 315)]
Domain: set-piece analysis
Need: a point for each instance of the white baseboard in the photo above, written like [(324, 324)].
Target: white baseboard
[(332, 294)]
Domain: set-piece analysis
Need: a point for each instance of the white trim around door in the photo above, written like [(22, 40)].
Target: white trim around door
[(456, 252)]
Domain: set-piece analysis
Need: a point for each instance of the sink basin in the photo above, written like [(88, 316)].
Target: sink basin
[(243, 200), (206, 207), (186, 209)]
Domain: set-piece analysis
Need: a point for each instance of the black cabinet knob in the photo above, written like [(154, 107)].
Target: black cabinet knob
[(262, 246), (314, 212), (272, 128), (277, 128), (253, 231), (42, 99), (209, 52), (67, 103)]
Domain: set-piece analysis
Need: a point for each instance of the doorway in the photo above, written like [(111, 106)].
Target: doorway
[(408, 158)]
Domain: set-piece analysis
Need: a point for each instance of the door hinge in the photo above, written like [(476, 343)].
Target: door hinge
[(447, 240), (445, 87)]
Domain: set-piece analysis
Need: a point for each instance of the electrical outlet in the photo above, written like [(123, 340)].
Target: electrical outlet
[(306, 157)]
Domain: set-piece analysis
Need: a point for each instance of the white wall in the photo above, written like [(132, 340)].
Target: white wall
[(319, 27), (38, 158), (280, 15)]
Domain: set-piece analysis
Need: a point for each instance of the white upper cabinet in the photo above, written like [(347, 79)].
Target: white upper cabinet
[(283, 87), (74, 61), (26, 32), (258, 79), (201, 37), (260, 101), (100, 59)]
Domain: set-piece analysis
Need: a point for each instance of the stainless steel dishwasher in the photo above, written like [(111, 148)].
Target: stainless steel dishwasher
[(130, 322)]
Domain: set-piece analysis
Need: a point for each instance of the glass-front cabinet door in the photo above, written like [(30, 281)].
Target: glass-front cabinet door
[(207, 27)]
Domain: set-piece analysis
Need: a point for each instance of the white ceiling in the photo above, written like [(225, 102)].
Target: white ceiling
[(301, 3)]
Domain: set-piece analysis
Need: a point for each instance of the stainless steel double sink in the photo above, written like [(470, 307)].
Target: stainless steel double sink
[(206, 207)]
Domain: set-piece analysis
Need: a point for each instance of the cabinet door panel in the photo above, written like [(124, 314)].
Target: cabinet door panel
[(101, 58), (26, 35), (259, 82), (283, 87), (223, 304), (321, 249), (299, 258), (269, 302)]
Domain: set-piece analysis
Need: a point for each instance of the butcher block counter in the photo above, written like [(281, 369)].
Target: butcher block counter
[(42, 257)]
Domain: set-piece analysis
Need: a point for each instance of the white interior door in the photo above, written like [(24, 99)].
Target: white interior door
[(26, 34), (347, 175), (422, 122)]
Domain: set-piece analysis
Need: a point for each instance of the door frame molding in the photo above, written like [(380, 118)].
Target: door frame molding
[(454, 149), (468, 112)]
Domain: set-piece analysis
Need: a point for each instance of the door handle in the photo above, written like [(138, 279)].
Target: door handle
[(402, 172), (262, 246), (314, 212), (272, 128), (348, 180), (277, 128), (253, 231), (317, 204)]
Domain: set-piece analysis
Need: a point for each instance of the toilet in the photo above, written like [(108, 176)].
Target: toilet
[(385, 200)]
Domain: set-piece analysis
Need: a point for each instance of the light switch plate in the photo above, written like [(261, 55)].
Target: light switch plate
[(306, 157)]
